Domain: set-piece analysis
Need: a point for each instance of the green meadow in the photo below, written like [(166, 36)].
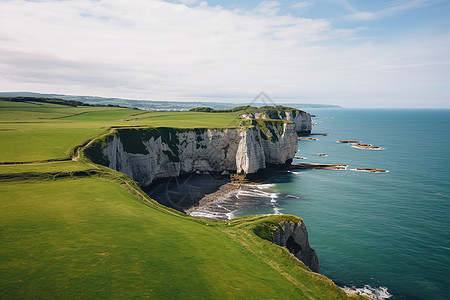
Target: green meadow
[(42, 131), (71, 229)]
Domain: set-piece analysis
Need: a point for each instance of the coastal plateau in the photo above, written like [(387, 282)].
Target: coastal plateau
[(147, 154), (73, 228)]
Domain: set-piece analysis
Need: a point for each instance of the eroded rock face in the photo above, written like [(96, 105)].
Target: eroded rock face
[(294, 237), (149, 154), (300, 118), (250, 155), (277, 153)]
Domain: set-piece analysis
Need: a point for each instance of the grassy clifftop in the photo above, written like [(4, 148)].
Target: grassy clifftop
[(75, 229)]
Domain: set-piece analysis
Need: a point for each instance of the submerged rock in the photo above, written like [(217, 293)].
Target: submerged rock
[(371, 170), (349, 141)]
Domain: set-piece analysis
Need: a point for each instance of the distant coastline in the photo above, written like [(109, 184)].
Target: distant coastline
[(153, 104)]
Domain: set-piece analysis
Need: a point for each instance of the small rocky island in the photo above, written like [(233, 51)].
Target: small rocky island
[(367, 146), (303, 166), (307, 138), (360, 145), (349, 141), (371, 170)]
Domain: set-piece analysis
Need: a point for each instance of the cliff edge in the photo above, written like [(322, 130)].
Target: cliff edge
[(294, 236), (290, 232), (146, 154), (300, 118)]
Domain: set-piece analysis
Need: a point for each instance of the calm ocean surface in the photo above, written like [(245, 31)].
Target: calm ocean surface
[(387, 230)]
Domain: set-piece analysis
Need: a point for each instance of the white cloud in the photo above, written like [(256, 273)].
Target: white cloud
[(160, 50), (301, 5), (392, 9), (188, 2), (270, 8)]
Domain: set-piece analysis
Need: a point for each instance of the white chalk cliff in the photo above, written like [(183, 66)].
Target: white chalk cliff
[(146, 154), (300, 118)]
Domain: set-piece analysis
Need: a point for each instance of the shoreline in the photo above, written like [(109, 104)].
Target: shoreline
[(235, 183), (226, 189), (223, 191)]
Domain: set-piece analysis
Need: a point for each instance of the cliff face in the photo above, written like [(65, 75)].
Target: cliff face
[(146, 154), (294, 237), (300, 118), (166, 152)]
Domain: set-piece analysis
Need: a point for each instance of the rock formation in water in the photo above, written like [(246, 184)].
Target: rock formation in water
[(146, 154), (294, 237)]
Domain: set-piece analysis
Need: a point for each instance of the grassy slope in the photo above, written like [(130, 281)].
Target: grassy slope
[(83, 242), (98, 237), (51, 167)]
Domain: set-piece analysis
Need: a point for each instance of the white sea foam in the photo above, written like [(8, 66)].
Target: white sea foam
[(223, 208), (265, 186), (276, 211), (230, 215), (273, 198), (379, 293), (254, 193)]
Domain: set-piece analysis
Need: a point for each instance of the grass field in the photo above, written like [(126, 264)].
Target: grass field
[(34, 132), (50, 167), (90, 238), (96, 235)]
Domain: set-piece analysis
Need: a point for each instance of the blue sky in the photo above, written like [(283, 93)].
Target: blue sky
[(352, 53)]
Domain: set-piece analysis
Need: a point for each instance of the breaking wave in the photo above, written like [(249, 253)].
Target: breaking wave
[(379, 293), (225, 206)]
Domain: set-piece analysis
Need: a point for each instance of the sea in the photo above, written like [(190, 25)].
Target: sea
[(386, 235)]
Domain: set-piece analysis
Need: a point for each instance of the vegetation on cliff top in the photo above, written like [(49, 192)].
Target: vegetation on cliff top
[(58, 101), (269, 129), (247, 109), (75, 229)]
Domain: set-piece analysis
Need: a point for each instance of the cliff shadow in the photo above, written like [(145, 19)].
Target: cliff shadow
[(185, 191)]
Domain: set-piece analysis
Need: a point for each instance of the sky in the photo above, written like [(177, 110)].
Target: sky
[(353, 53)]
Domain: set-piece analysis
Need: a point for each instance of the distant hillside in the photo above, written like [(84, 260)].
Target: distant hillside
[(152, 105)]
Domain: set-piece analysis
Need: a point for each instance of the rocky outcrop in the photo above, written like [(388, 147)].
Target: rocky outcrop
[(146, 154), (300, 118), (294, 237)]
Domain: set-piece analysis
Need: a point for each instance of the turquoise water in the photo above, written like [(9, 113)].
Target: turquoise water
[(384, 230)]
